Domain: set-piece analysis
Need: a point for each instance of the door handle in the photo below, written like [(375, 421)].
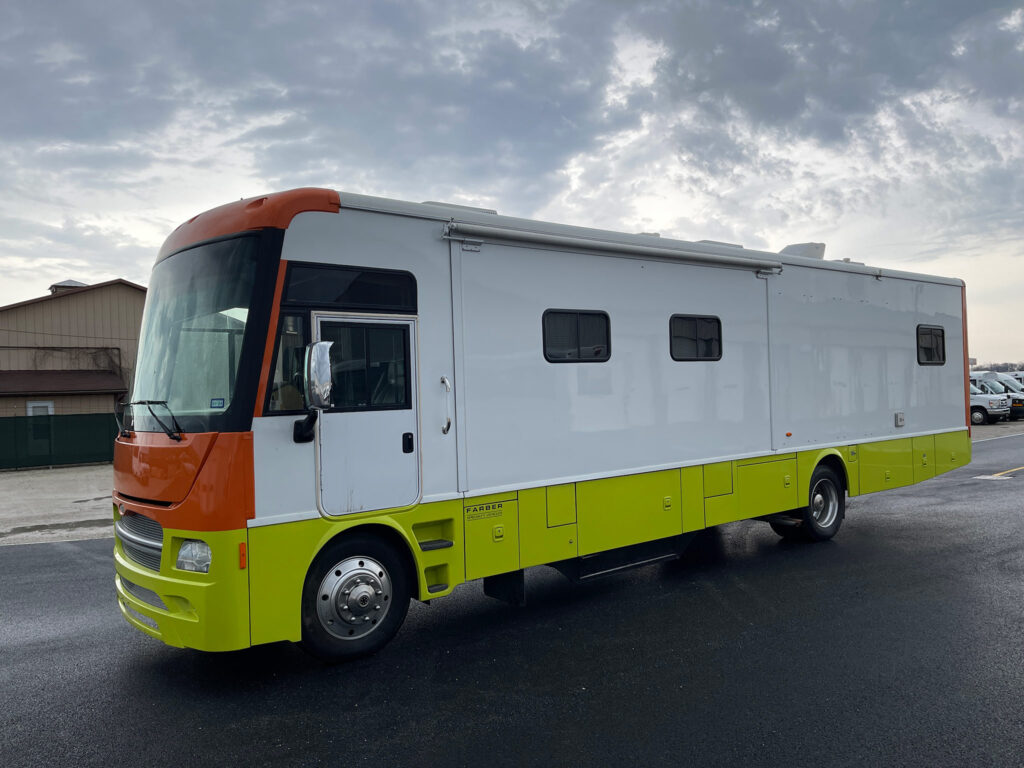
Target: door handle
[(407, 443), (447, 405)]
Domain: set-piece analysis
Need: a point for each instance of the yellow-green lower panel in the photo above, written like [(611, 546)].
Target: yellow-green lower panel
[(280, 556), (923, 457), (886, 464), (952, 451), (492, 535), (540, 542), (761, 488), (620, 511), (205, 611)]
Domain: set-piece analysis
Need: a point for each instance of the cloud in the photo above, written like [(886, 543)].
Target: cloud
[(891, 129)]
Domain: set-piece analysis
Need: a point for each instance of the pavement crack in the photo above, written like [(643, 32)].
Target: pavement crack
[(56, 526)]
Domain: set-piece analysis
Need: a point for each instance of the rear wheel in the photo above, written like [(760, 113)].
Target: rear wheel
[(826, 505), (355, 598)]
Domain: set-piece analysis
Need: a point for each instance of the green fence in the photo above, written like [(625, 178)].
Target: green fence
[(43, 441)]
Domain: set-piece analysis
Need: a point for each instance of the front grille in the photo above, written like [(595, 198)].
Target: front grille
[(145, 595), (144, 526), (141, 539), (139, 617)]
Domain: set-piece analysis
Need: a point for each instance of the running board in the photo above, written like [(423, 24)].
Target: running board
[(511, 587), (616, 560)]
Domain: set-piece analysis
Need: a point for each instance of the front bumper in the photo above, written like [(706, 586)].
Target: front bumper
[(205, 611)]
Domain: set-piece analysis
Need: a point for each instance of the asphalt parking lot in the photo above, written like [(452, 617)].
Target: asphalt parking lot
[(897, 643)]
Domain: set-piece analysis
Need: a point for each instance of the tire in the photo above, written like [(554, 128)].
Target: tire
[(788, 531), (355, 598), (979, 415), (826, 505)]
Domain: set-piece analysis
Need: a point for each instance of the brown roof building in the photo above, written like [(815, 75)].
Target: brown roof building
[(71, 352)]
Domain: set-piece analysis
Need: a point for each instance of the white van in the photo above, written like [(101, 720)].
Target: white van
[(996, 383), (987, 408)]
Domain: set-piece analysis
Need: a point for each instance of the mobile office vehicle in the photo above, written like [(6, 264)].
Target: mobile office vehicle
[(1002, 384), (987, 408), (497, 393)]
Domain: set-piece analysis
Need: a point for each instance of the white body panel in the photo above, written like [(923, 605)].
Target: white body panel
[(285, 473), (531, 422), (844, 357), (825, 351)]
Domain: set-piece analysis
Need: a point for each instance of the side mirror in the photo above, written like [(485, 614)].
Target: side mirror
[(317, 367)]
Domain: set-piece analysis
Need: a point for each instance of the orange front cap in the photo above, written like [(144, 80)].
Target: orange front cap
[(276, 210), (218, 492), (152, 466)]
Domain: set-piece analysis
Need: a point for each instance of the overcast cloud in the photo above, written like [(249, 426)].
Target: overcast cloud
[(894, 132)]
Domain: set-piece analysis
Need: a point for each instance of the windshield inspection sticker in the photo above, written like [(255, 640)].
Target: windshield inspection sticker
[(217, 402)]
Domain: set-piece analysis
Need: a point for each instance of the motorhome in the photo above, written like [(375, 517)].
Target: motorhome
[(346, 402)]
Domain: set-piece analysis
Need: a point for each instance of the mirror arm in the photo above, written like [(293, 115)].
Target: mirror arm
[(302, 430)]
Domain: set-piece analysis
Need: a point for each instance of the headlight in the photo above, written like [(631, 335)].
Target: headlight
[(194, 555), (991, 404)]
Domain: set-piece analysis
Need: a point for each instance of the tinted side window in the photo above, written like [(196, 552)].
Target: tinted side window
[(576, 336), (695, 337), (350, 288), (931, 345)]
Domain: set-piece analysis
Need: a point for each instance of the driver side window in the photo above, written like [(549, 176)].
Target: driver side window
[(286, 390)]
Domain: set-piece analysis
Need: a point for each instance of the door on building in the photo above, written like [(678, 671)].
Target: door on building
[(40, 427), (367, 441)]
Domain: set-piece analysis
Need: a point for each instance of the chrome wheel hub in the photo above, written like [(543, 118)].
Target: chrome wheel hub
[(354, 597), (824, 503)]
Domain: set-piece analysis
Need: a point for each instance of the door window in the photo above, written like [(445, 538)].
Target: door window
[(369, 366)]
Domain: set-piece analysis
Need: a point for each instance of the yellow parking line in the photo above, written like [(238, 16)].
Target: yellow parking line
[(1008, 471)]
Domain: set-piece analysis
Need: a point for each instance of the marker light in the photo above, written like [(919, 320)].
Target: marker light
[(194, 555)]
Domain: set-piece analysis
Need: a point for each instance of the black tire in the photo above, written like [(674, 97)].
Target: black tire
[(355, 598), (979, 415), (788, 531), (826, 505)]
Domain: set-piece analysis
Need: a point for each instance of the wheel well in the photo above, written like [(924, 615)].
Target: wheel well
[(836, 464), (394, 538)]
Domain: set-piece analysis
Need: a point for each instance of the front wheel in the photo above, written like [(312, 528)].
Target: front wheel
[(355, 598), (978, 415), (826, 505)]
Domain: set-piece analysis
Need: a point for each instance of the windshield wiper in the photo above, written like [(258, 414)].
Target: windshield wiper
[(171, 433)]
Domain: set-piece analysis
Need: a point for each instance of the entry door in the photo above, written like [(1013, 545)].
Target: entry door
[(367, 441), (40, 427)]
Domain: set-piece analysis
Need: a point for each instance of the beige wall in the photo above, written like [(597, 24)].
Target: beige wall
[(96, 329), (62, 404)]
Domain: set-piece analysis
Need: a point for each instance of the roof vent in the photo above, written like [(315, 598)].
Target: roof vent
[(66, 285), (807, 250)]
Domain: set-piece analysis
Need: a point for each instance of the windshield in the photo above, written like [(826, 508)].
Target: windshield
[(1010, 383), (992, 387), (193, 339)]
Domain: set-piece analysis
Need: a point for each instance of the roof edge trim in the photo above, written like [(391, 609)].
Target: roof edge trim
[(262, 212)]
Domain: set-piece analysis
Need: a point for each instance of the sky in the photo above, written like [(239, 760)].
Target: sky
[(891, 131)]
